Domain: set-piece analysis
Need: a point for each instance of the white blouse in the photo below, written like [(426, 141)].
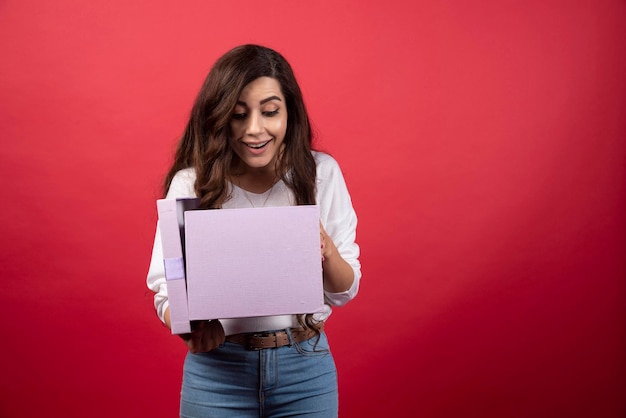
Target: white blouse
[(337, 216)]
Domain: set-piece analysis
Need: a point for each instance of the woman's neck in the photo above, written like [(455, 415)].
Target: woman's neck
[(255, 180)]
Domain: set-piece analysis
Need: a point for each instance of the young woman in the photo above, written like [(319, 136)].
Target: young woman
[(248, 144)]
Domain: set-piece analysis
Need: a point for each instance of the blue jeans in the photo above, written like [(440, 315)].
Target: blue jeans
[(230, 381)]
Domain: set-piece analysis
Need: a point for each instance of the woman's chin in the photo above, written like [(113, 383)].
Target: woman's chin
[(258, 162)]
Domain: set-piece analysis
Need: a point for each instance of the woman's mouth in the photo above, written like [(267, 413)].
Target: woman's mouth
[(257, 145)]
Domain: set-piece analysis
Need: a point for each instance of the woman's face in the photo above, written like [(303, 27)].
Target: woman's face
[(259, 123)]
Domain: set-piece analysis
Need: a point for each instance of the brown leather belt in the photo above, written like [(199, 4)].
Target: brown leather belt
[(272, 339)]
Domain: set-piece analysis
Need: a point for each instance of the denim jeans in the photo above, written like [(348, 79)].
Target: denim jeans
[(230, 381)]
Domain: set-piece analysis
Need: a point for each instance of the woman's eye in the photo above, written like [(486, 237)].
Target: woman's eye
[(270, 113), (238, 116)]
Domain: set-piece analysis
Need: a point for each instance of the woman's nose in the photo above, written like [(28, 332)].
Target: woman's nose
[(255, 124)]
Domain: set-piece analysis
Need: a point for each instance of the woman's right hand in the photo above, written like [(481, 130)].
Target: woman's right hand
[(206, 336)]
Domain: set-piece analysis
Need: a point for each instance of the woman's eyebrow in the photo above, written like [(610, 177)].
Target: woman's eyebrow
[(269, 99)]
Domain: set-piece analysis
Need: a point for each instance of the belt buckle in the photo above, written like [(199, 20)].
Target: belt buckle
[(263, 334)]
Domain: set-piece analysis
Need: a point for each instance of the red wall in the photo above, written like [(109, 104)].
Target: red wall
[(484, 146)]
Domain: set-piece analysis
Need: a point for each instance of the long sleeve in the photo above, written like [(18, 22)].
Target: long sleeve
[(339, 220)]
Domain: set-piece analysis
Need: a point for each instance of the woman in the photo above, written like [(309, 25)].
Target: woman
[(248, 144)]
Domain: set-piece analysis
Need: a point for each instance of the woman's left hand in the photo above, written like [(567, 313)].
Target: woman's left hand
[(338, 275), (326, 243)]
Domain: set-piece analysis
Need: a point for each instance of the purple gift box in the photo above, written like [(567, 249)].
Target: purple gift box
[(242, 262)]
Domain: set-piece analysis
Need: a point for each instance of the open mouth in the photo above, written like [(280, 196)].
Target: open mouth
[(257, 146)]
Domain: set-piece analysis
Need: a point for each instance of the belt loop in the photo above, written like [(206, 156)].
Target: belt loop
[(288, 331)]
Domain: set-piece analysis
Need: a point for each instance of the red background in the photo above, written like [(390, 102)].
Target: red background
[(484, 147)]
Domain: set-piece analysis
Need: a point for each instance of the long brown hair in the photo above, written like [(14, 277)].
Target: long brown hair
[(204, 144)]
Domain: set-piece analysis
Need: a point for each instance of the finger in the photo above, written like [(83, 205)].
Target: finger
[(195, 344), (216, 335), (202, 341), (198, 337), (322, 230)]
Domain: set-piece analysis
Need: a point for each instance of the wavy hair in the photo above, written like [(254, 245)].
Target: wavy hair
[(205, 142), (205, 146)]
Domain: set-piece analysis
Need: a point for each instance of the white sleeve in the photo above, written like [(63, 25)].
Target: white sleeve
[(182, 186), (339, 221)]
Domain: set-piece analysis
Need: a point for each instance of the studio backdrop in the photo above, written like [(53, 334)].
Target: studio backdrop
[(483, 144)]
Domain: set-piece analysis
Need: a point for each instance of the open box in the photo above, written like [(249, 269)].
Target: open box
[(237, 263)]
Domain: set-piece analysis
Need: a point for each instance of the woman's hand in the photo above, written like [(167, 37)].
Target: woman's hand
[(323, 238), (338, 275), (206, 336)]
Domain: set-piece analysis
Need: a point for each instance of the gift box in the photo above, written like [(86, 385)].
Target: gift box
[(245, 262)]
